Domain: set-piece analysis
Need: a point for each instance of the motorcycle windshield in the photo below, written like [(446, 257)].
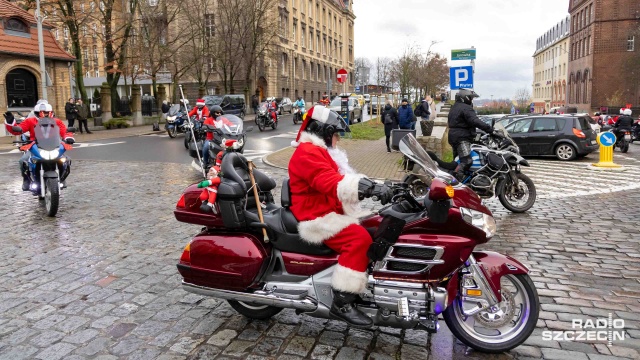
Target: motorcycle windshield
[(229, 124), (47, 134), (264, 106), (500, 126), (410, 147), (174, 110)]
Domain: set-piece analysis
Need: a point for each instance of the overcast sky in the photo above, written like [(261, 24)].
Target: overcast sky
[(504, 33)]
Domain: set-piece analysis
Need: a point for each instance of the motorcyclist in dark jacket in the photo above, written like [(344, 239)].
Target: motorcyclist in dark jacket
[(463, 122), (624, 123)]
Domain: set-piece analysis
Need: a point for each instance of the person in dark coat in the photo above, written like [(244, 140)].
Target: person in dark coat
[(82, 111), (165, 107), (405, 115), (254, 103), (70, 112), (390, 121)]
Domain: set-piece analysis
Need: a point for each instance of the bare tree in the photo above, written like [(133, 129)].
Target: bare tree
[(523, 97), (382, 72), (228, 54), (403, 69)]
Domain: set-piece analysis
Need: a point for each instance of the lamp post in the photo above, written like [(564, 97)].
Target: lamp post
[(69, 64), (43, 72)]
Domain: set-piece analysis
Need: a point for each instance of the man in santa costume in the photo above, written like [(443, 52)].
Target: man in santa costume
[(325, 196), (201, 111)]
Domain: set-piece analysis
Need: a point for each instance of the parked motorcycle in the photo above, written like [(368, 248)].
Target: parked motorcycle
[(297, 115), (48, 168), (424, 263), (175, 121), (493, 173), (264, 117)]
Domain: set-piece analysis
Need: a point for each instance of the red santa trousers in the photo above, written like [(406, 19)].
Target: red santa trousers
[(352, 244)]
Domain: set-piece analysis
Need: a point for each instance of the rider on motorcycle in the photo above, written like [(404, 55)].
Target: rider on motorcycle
[(200, 110), (624, 123), (218, 121), (41, 110), (463, 122), (300, 105), (325, 100), (325, 196)]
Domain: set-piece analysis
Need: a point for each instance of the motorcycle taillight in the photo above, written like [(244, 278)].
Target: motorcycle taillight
[(186, 255), (181, 202)]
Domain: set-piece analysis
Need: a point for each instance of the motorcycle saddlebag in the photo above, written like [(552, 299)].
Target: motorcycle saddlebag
[(188, 210), (495, 162), (230, 261)]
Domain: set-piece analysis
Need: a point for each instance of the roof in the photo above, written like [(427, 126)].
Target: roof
[(23, 45)]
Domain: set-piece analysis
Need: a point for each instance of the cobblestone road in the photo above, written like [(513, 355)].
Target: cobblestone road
[(99, 281)]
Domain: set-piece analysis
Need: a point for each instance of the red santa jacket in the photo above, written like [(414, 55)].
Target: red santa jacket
[(202, 113), (29, 124), (324, 193), (219, 122)]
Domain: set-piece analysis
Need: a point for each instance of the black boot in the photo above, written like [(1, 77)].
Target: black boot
[(25, 183), (205, 207), (343, 309)]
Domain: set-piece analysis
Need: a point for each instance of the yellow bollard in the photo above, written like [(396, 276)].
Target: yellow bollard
[(607, 141)]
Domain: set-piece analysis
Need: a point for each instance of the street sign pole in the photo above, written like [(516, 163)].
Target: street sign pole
[(473, 64)]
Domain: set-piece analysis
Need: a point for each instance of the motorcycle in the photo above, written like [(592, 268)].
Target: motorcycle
[(297, 115), (233, 129), (623, 138), (423, 262), (265, 118), (635, 131), (493, 173), (175, 121), (47, 166)]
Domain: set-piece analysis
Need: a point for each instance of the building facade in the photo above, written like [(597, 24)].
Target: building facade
[(20, 76), (604, 60), (550, 61)]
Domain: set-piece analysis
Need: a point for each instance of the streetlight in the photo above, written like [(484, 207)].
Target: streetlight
[(43, 72)]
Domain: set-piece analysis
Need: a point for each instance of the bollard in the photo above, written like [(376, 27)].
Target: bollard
[(607, 141)]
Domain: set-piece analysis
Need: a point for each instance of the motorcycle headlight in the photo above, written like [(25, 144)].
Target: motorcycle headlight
[(49, 155), (171, 118), (480, 220)]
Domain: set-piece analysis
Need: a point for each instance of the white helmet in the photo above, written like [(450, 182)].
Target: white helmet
[(621, 111), (627, 112), (43, 109)]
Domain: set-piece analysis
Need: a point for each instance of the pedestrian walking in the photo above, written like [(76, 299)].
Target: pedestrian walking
[(390, 120), (405, 116), (254, 103), (70, 112), (82, 111), (432, 107), (423, 110)]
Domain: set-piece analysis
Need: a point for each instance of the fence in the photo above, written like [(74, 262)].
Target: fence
[(149, 105)]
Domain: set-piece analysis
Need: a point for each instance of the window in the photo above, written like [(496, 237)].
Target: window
[(318, 41), (544, 124), (85, 55), (94, 29), (57, 34), (95, 54), (101, 5), (153, 2), (209, 25), (92, 7), (318, 73), (303, 38), (519, 127), (82, 8), (631, 43), (295, 63), (311, 39), (97, 73), (304, 69), (65, 33), (84, 30), (293, 31), (284, 64)]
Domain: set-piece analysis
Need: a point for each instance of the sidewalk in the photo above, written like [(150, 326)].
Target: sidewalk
[(368, 157)]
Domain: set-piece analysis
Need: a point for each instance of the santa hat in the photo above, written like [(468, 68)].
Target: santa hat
[(200, 102), (232, 144), (319, 113)]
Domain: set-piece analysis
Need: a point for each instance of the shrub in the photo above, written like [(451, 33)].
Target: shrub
[(115, 123)]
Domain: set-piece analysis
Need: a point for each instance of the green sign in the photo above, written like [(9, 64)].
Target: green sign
[(463, 54)]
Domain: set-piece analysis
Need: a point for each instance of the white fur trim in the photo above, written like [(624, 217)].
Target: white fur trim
[(348, 188), (348, 280), (321, 113), (340, 158), (324, 228), (294, 144), (307, 137)]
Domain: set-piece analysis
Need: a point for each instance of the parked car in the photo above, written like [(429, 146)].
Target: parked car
[(367, 98), (563, 136), (355, 111), (284, 104), (230, 104), (374, 104)]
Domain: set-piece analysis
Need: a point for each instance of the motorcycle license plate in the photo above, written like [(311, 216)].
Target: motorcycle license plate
[(593, 142), (627, 137)]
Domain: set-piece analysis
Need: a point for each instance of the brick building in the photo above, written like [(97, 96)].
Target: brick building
[(20, 64), (602, 53)]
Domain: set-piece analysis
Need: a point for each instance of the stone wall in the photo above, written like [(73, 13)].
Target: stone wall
[(438, 141)]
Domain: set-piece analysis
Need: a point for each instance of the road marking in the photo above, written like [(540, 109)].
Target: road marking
[(288, 135), (75, 146), (165, 135)]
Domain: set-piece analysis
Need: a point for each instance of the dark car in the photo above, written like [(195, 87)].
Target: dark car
[(230, 104), (565, 137)]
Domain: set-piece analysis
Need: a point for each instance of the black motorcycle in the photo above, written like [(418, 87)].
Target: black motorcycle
[(623, 137), (231, 128), (635, 131), (264, 118)]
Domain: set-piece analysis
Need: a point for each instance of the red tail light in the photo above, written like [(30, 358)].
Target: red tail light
[(579, 133), (186, 255), (181, 203)]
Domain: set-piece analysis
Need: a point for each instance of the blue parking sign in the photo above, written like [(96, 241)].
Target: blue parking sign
[(461, 77), (607, 139)]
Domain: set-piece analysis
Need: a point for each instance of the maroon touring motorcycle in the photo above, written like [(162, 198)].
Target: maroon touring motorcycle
[(423, 259)]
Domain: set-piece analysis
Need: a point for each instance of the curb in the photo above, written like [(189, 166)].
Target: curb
[(264, 159)]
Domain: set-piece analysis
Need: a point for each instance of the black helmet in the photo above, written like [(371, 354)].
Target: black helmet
[(466, 96), (325, 129), (216, 109)]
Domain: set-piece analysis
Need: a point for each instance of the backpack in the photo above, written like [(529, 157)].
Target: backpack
[(387, 118), (418, 110)]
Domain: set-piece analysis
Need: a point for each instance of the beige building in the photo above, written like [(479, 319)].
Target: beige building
[(549, 88)]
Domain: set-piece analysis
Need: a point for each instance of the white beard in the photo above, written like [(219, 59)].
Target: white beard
[(340, 157)]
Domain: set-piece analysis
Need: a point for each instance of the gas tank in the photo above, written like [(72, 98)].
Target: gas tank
[(477, 163)]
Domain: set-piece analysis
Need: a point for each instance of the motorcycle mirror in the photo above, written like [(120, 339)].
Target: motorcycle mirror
[(16, 129)]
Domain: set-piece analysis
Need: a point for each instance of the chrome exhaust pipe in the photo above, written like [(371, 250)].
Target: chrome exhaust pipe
[(262, 299)]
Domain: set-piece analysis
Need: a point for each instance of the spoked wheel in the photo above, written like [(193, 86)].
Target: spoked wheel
[(254, 311), (566, 152), (504, 326), (173, 132), (51, 196), (518, 198)]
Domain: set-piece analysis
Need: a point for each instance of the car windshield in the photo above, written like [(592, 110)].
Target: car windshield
[(338, 102), (174, 110), (410, 147), (47, 134), (229, 124), (213, 100)]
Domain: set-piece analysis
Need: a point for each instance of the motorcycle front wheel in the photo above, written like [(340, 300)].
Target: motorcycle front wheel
[(254, 311), (260, 124), (519, 199), (295, 119), (173, 132), (274, 125), (51, 196), (504, 327)]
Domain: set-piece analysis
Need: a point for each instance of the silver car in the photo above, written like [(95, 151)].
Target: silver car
[(284, 104), (355, 111)]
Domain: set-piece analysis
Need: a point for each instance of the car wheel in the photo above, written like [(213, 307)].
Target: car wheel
[(566, 152)]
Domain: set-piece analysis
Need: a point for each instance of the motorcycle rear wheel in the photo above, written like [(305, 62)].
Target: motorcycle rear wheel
[(51, 196), (295, 119), (258, 312), (625, 147), (499, 333), (505, 190)]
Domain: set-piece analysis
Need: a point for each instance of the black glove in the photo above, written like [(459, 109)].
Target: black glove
[(369, 188), (69, 141), (8, 117)]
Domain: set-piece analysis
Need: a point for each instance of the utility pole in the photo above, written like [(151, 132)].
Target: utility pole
[(43, 71)]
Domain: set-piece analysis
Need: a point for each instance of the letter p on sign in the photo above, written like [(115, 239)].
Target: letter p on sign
[(461, 77)]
